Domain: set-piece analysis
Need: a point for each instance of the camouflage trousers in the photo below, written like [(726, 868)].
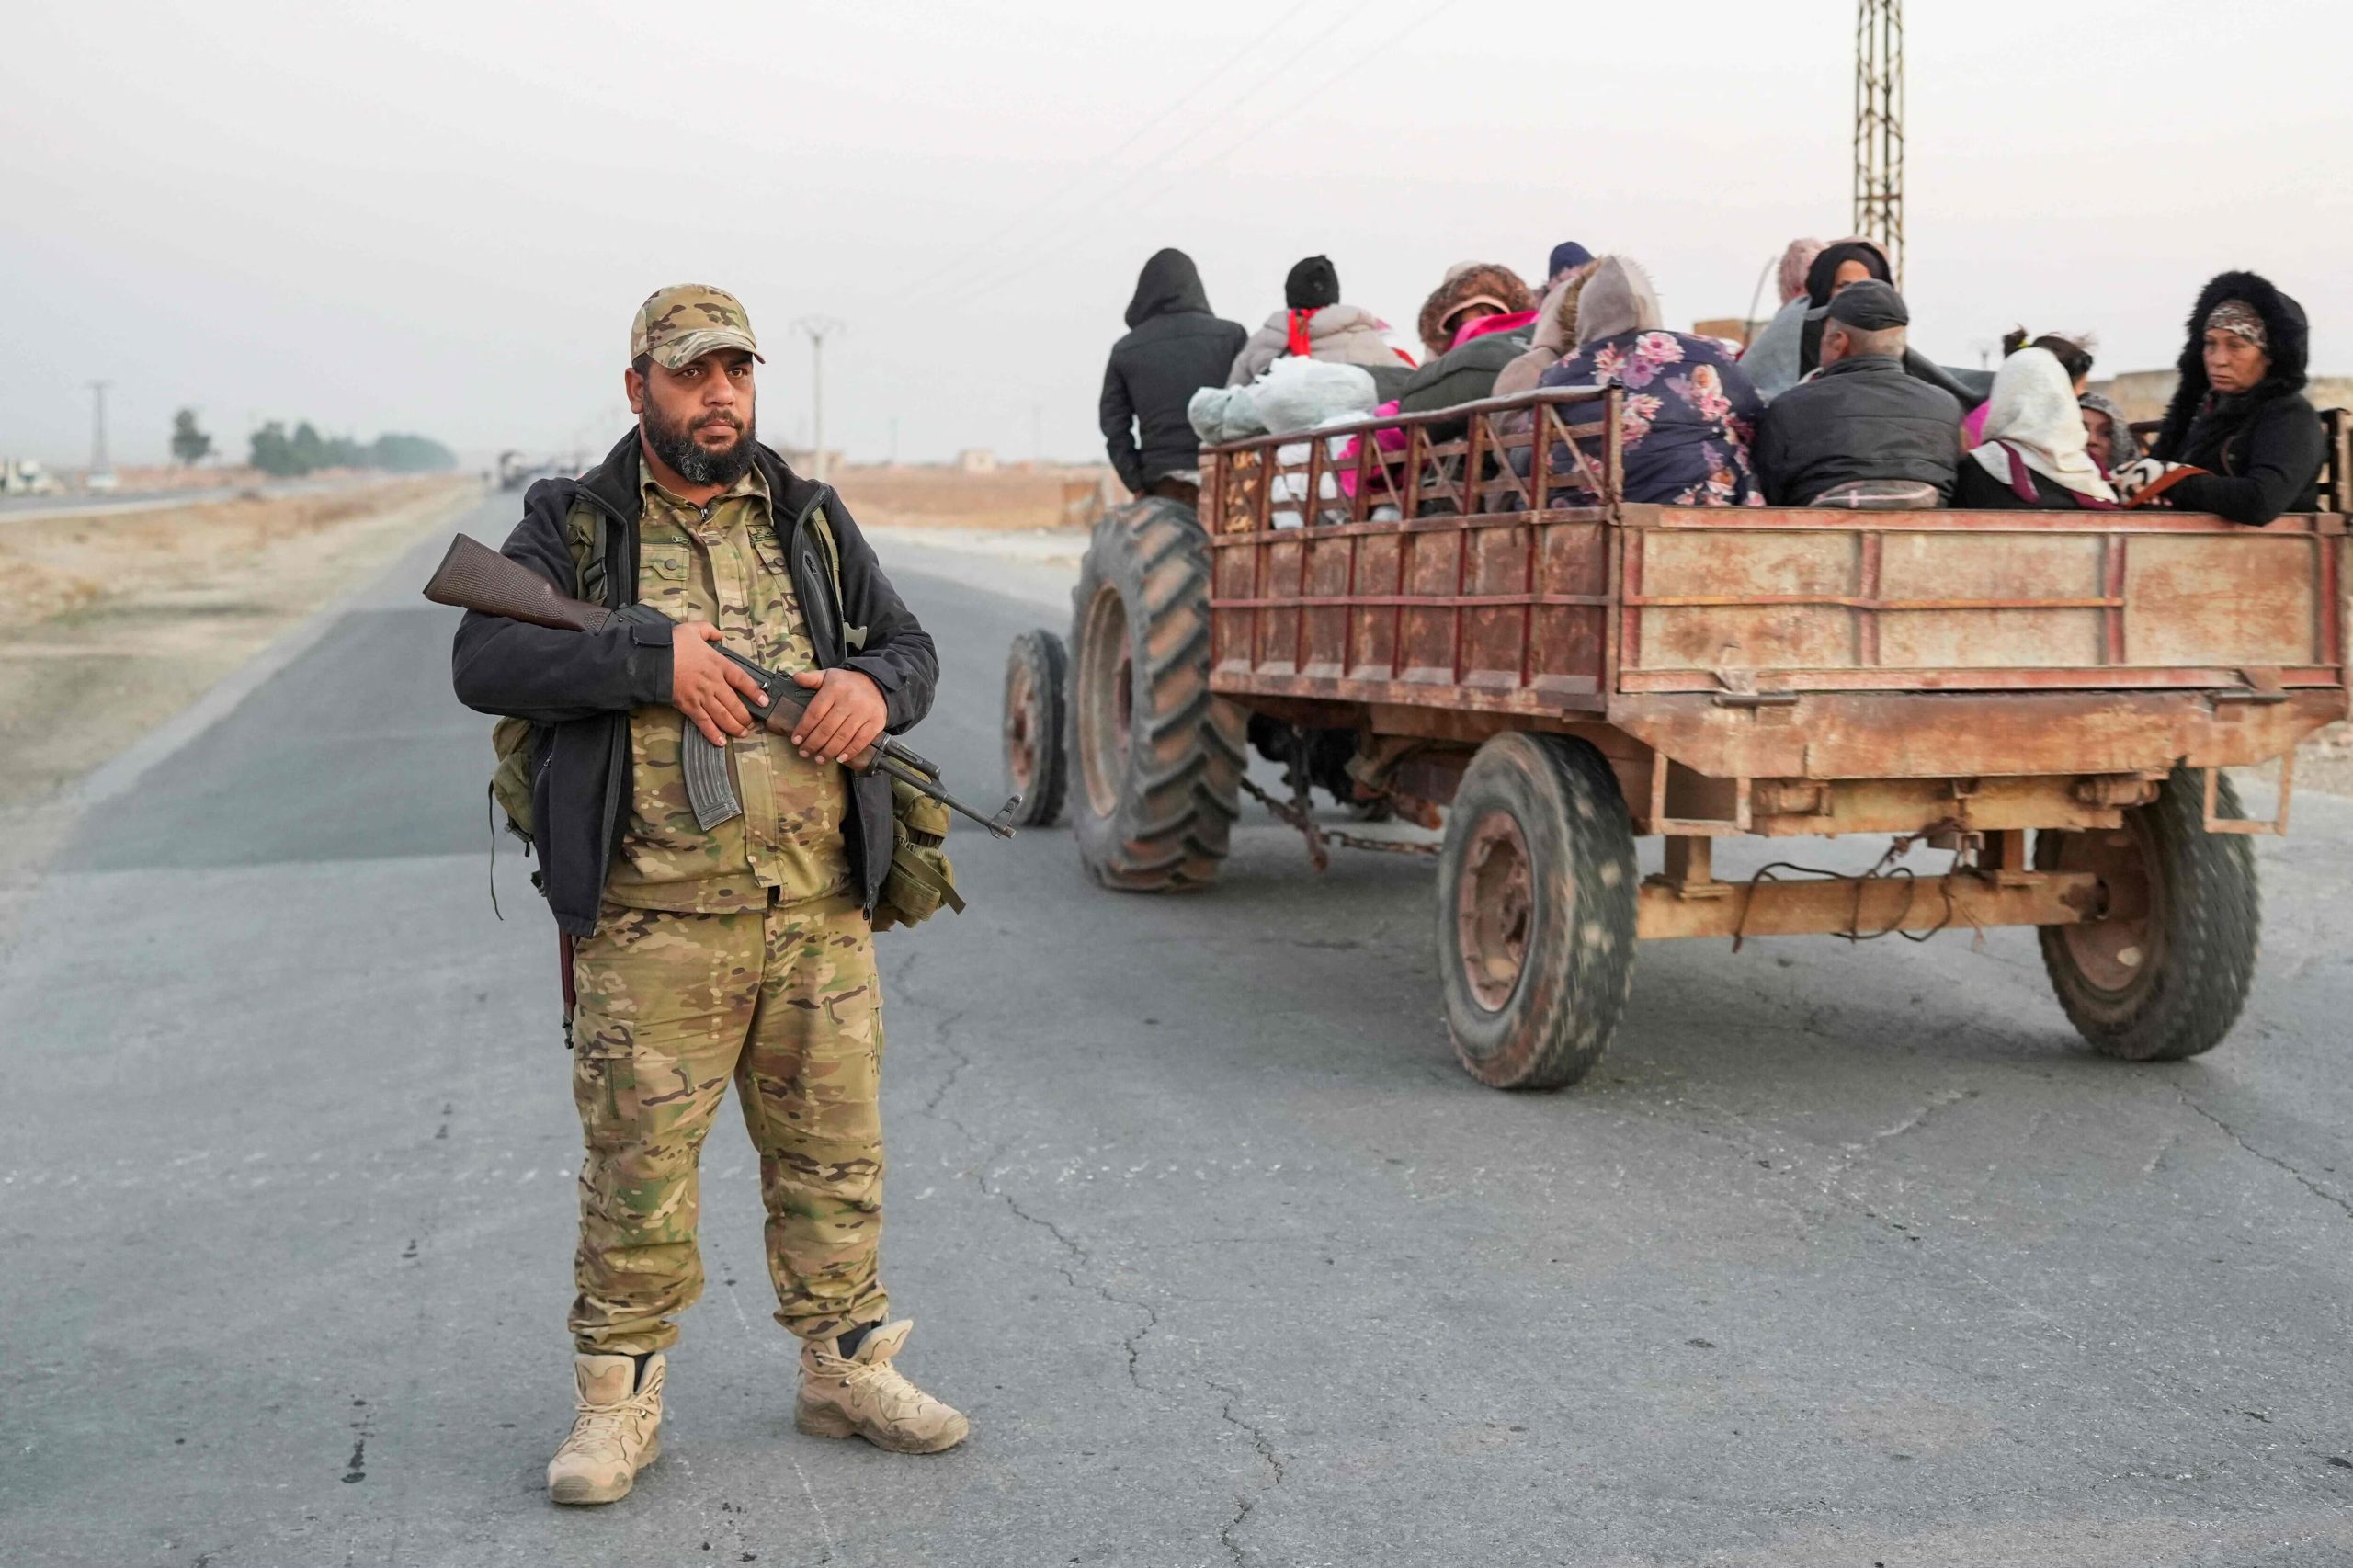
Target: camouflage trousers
[(786, 1001)]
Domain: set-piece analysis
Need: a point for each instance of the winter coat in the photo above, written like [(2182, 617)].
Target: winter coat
[(1688, 418), (1174, 347), (1465, 374), (1771, 357), (2262, 447), (1860, 419), (1346, 334), (581, 688)]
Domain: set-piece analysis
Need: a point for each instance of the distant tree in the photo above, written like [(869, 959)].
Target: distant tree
[(273, 453), (410, 454), (189, 445), (282, 456), (308, 451)]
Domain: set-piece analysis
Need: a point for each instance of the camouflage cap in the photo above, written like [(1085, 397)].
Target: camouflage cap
[(681, 323)]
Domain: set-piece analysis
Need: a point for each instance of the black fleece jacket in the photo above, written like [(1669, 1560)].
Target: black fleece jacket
[(2262, 447), (579, 688), (1173, 349), (1860, 419)]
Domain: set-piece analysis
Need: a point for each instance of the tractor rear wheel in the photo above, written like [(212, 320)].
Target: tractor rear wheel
[(1156, 758), (2166, 981), (1037, 683), (1537, 894)]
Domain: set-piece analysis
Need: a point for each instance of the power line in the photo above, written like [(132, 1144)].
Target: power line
[(1021, 261), (1316, 92), (993, 281), (1104, 159)]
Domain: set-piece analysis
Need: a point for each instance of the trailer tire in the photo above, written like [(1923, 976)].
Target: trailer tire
[(1156, 758), (2169, 983), (1536, 927), (1036, 688)]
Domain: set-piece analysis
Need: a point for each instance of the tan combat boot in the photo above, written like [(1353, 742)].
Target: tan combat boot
[(865, 1396), (617, 1432)]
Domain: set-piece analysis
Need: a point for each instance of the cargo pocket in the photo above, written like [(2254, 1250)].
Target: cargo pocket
[(604, 1088)]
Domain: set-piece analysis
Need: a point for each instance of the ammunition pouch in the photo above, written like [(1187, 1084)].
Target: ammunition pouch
[(921, 877)]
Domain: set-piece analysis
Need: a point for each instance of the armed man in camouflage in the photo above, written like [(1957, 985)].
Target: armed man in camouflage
[(741, 952)]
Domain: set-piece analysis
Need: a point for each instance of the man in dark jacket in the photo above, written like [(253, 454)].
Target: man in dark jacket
[(739, 949), (1860, 417), (1174, 349)]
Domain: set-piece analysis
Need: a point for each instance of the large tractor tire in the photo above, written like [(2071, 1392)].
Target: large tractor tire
[(1037, 687), (1537, 892), (1156, 758), (2169, 980)]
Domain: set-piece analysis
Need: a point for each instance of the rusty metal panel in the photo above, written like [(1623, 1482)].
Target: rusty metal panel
[(1426, 637), (2249, 599), (2023, 567), (1324, 618), (1684, 565), (1912, 736), (1379, 574)]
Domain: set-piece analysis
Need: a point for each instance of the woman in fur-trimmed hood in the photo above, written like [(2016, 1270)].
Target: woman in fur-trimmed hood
[(2240, 411), (1475, 295)]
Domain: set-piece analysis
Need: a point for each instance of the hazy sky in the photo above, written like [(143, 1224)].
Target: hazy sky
[(440, 217)]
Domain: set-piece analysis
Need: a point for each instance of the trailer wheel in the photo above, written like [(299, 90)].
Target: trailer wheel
[(1037, 677), (1157, 758), (2168, 982), (1536, 890)]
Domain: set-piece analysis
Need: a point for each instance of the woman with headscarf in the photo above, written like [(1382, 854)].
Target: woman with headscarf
[(1771, 359), (2239, 415), (2074, 357), (1688, 412), (1552, 336), (2033, 452), (1842, 263), (2108, 433)]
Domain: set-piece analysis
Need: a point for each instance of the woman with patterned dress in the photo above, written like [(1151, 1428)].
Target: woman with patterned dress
[(1688, 412)]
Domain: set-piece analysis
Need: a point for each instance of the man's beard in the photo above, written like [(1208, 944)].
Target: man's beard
[(692, 461)]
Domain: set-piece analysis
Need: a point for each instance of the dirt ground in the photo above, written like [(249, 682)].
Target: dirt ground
[(1009, 498), (118, 622)]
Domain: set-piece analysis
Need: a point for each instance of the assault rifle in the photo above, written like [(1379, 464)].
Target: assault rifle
[(474, 577)]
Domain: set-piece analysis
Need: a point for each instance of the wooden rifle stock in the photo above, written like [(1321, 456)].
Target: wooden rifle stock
[(474, 577)]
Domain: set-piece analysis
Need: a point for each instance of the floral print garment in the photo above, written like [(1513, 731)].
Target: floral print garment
[(1688, 417)]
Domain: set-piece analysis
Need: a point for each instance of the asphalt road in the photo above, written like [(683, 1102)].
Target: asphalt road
[(1846, 1255), (108, 504)]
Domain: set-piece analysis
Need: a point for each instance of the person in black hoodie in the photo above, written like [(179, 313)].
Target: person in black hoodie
[(2240, 411), (1174, 349)]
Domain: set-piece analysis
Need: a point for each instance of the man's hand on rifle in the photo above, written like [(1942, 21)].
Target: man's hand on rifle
[(845, 717), (704, 682)]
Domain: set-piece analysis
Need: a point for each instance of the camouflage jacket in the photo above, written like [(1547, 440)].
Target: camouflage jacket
[(582, 689), (723, 563)]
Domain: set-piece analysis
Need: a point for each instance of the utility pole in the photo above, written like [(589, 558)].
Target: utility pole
[(101, 466), (1037, 435), (1879, 127), (819, 328)]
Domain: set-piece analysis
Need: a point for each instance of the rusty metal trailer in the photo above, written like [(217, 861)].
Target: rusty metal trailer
[(1475, 620)]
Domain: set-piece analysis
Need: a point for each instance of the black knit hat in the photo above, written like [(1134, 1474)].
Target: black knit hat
[(1313, 285)]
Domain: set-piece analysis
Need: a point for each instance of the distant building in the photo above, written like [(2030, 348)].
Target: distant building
[(976, 459)]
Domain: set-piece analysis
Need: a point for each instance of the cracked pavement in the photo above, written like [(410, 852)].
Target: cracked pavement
[(1845, 1255)]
